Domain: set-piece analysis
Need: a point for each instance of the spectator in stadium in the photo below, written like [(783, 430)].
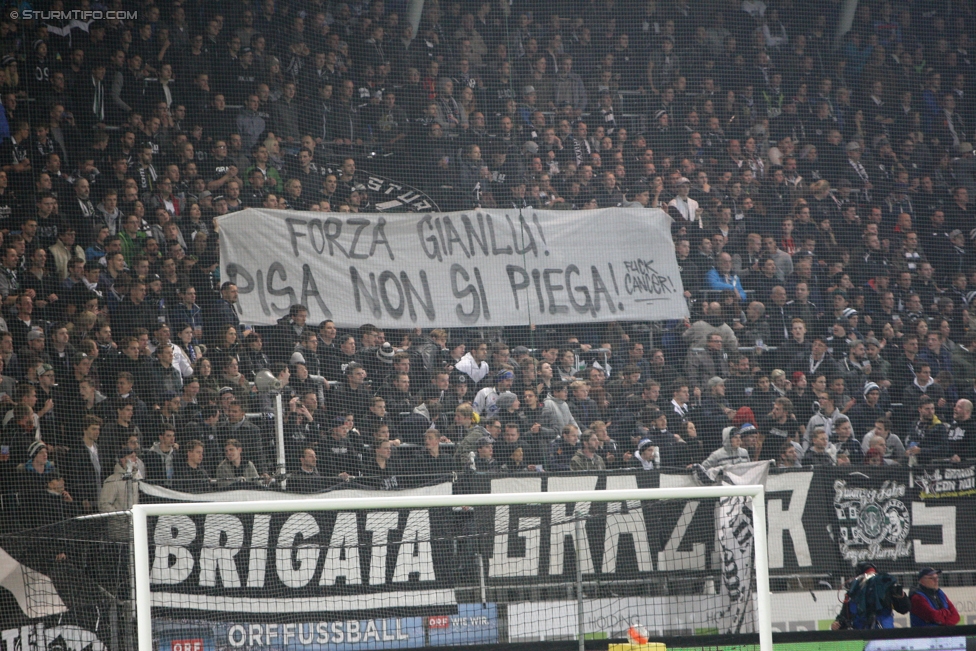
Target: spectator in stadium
[(191, 476), (871, 600), (342, 453), (702, 365), (378, 416), (485, 401), (721, 277), (556, 413), (930, 605), (115, 434), (307, 479), (510, 449), (626, 385), (698, 332), (38, 464), (821, 452), (646, 456), (433, 459), (237, 426), (380, 467), (714, 414), (86, 469), (962, 432), (584, 409), (473, 362), (224, 314), (470, 431), (875, 456), (677, 411), (731, 452), (160, 377), (936, 354), (354, 395), (509, 408), (121, 489), (482, 459), (894, 448), (825, 415), (778, 427), (586, 458), (563, 448), (56, 554), (234, 470), (845, 441), (928, 439), (161, 460), (788, 457), (866, 413)]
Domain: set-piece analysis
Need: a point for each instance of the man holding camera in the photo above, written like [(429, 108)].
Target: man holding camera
[(870, 600)]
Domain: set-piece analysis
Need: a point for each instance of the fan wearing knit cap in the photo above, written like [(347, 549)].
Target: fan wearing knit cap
[(485, 403), (867, 412), (38, 465)]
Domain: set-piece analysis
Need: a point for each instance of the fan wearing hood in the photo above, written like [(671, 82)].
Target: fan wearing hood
[(731, 452)]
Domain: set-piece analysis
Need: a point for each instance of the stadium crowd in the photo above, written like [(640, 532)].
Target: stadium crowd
[(822, 223)]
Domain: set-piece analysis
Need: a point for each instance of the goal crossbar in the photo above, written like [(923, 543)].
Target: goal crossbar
[(141, 513)]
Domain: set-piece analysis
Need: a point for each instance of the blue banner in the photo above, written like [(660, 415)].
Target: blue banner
[(473, 624), (305, 635)]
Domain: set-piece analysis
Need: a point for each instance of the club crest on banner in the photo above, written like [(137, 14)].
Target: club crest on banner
[(873, 523)]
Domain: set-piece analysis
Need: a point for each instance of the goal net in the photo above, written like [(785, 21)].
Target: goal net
[(413, 571)]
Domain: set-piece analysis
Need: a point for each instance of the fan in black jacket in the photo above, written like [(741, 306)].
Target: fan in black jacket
[(86, 467), (190, 474), (342, 454), (53, 552)]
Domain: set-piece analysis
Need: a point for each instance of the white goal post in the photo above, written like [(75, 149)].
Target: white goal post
[(141, 541)]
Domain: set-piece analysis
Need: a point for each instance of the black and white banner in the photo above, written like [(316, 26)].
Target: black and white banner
[(821, 521), (407, 563), (315, 580), (735, 540), (316, 561), (942, 483), (453, 269), (387, 195), (902, 518)]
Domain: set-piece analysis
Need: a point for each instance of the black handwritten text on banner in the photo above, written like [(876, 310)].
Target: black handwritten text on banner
[(453, 269)]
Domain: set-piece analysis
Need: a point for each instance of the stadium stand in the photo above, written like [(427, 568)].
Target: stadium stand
[(821, 179)]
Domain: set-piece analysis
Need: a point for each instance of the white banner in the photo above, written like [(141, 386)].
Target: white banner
[(491, 268), (251, 495), (734, 537)]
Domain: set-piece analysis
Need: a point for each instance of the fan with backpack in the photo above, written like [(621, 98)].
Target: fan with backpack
[(870, 600)]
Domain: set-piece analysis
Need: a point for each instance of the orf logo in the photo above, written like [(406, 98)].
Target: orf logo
[(187, 645)]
